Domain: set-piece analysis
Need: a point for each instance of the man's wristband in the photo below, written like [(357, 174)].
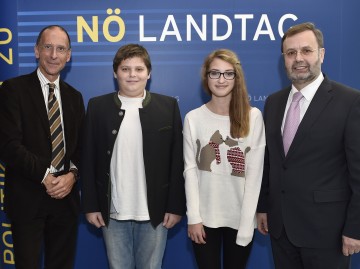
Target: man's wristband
[(75, 172)]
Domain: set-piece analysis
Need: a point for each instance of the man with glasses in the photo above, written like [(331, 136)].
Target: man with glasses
[(310, 197), (41, 118)]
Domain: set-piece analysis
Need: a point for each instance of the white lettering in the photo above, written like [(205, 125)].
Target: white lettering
[(264, 20), (222, 27), (215, 35), (142, 31), (243, 18), (281, 22), (166, 31), (191, 22)]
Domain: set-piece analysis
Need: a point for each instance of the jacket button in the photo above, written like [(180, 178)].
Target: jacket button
[(108, 152), (114, 131), (121, 113)]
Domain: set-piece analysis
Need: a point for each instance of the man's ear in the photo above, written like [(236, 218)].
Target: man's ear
[(37, 53)]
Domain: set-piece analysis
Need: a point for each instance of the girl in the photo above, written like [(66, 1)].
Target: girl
[(224, 143)]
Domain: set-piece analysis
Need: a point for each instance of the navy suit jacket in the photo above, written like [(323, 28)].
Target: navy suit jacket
[(314, 192), (162, 151), (25, 143)]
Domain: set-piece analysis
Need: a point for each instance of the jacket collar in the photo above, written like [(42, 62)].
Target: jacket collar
[(145, 102)]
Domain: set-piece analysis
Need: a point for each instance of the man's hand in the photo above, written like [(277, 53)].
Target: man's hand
[(196, 233), (262, 224), (95, 218), (170, 220), (350, 246), (59, 187)]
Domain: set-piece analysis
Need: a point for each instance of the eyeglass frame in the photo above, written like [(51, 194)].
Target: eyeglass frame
[(221, 73), (303, 52), (58, 49)]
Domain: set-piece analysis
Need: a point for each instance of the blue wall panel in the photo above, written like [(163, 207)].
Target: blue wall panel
[(178, 36)]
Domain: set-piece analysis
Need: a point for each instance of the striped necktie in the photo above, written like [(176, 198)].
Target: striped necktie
[(56, 131)]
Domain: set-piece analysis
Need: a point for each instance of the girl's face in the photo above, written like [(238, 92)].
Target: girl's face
[(222, 86)]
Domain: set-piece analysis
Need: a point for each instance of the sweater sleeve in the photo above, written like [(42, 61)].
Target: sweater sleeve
[(254, 161), (191, 175)]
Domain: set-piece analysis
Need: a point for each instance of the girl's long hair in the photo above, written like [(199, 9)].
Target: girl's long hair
[(239, 110)]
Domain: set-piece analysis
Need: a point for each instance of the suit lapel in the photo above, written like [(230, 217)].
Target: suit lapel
[(68, 114), (36, 96), (321, 99)]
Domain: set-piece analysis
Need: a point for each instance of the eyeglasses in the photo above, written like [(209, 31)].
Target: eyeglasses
[(229, 75), (291, 54), (59, 49)]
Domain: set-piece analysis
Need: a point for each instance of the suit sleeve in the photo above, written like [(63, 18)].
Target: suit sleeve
[(88, 164), (176, 200), (12, 150), (352, 149), (75, 157)]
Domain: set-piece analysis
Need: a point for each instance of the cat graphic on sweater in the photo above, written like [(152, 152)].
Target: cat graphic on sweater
[(236, 157), (209, 153)]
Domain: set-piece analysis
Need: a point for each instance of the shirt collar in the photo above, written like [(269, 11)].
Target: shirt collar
[(44, 81), (309, 91)]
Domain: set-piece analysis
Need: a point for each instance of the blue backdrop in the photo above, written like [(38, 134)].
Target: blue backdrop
[(178, 36)]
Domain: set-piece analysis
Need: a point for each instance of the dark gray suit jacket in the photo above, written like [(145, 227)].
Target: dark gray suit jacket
[(25, 144), (314, 192), (162, 151)]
